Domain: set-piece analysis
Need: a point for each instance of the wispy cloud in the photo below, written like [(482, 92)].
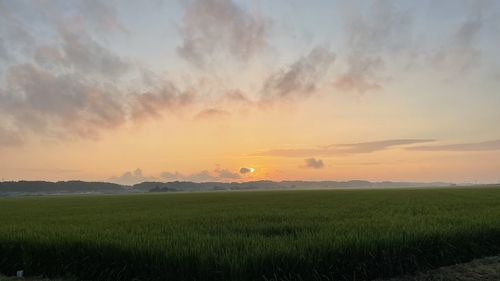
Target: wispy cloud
[(102, 14), (368, 147), (299, 79), (164, 96), (343, 149), (472, 146), (461, 52), (216, 27), (385, 27), (212, 113), (9, 137)]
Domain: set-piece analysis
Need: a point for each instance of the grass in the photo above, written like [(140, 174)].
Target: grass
[(275, 235)]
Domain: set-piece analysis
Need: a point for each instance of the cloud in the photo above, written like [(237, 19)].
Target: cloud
[(314, 163), (152, 104), (299, 79), (474, 146), (131, 178), (63, 88), (226, 174), (218, 174), (72, 87), (59, 103), (102, 14), (200, 177), (215, 27), (17, 38), (9, 137), (343, 149), (245, 170), (84, 54), (386, 29), (4, 55), (79, 52), (368, 147), (212, 113), (171, 176), (137, 176), (460, 53)]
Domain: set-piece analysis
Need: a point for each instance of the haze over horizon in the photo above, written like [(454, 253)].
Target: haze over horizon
[(234, 90)]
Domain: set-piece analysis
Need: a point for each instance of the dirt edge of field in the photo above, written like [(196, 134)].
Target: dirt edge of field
[(485, 269)]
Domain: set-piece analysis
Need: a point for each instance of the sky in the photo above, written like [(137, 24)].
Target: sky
[(240, 90)]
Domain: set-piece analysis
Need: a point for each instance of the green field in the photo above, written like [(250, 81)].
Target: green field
[(272, 235)]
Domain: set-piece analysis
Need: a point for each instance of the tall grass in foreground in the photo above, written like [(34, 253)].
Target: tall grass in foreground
[(282, 235)]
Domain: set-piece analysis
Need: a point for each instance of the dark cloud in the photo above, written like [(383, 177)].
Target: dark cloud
[(473, 146), (131, 178), (214, 27), (301, 78), (245, 170), (385, 29), (314, 163), (343, 149)]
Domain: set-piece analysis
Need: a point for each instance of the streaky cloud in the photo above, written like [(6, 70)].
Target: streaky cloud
[(343, 149), (368, 147), (212, 113), (472, 146)]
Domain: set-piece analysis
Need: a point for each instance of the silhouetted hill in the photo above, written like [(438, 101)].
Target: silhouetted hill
[(80, 187), (44, 187), (191, 186)]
